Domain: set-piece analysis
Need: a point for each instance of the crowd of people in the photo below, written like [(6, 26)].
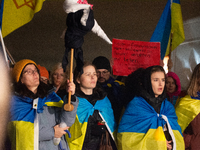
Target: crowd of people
[(148, 111)]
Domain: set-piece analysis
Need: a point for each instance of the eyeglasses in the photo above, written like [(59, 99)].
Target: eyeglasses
[(30, 72), (103, 72)]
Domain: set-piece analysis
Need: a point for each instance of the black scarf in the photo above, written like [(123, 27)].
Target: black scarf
[(98, 94), (146, 91)]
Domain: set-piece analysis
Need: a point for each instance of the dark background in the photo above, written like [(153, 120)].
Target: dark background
[(40, 40)]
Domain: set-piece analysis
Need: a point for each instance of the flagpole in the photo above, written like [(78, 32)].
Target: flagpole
[(169, 63), (10, 58), (4, 50)]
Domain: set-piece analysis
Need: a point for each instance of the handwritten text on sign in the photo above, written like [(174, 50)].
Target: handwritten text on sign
[(129, 55)]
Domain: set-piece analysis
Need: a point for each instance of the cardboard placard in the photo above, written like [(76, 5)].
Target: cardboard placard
[(130, 55)]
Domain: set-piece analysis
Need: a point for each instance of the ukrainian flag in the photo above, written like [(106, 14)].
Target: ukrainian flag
[(169, 30), (141, 128), (21, 127), (16, 13), (186, 110), (84, 110)]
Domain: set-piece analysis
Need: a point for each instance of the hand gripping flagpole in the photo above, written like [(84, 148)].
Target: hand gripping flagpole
[(69, 106)]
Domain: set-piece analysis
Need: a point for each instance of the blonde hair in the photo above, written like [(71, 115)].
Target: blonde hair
[(194, 85), (54, 68)]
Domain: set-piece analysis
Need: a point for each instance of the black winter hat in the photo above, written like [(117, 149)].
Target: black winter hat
[(102, 62)]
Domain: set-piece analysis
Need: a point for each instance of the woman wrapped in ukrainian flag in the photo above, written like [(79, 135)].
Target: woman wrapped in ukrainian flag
[(36, 111), (94, 112), (188, 112), (149, 121)]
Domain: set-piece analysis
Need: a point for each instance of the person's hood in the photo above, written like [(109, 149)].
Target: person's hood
[(178, 84)]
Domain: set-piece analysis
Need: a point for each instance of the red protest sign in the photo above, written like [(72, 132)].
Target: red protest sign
[(130, 55)]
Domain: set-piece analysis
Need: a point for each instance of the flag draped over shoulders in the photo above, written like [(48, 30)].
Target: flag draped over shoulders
[(17, 13), (141, 127), (186, 110), (21, 127), (84, 110), (170, 26)]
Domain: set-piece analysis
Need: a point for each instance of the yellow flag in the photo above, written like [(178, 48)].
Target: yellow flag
[(17, 13)]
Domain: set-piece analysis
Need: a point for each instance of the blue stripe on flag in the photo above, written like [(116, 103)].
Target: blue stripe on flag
[(170, 22), (163, 29), (1, 11), (176, 1)]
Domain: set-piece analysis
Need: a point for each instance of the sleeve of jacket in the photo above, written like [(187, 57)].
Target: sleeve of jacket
[(69, 116), (192, 134)]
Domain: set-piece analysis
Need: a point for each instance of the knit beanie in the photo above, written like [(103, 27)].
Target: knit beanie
[(43, 71), (102, 62), (18, 68)]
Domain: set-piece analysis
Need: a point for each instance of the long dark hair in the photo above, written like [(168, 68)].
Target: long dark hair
[(138, 83), (132, 84), (22, 89)]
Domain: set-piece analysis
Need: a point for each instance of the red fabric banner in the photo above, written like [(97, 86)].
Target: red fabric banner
[(130, 55)]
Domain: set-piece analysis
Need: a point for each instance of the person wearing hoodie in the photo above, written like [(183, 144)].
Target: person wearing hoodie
[(149, 120), (173, 87)]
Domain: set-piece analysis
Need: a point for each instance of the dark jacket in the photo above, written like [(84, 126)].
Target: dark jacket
[(94, 128), (113, 88), (192, 134)]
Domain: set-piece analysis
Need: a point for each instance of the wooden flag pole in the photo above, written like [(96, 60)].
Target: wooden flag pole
[(69, 106), (169, 63)]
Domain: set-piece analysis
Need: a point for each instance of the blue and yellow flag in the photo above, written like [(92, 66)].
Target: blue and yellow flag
[(21, 126), (16, 13), (169, 30), (187, 109), (142, 128), (84, 110)]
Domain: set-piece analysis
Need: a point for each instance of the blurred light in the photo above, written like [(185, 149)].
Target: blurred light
[(165, 61)]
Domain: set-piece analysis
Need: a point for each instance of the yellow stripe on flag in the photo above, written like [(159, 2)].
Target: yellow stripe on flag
[(140, 141), (57, 104), (177, 29), (17, 13), (24, 140), (148, 141)]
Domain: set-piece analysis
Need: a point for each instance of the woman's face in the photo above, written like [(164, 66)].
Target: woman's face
[(58, 77), (30, 77), (88, 79), (158, 82), (170, 85)]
